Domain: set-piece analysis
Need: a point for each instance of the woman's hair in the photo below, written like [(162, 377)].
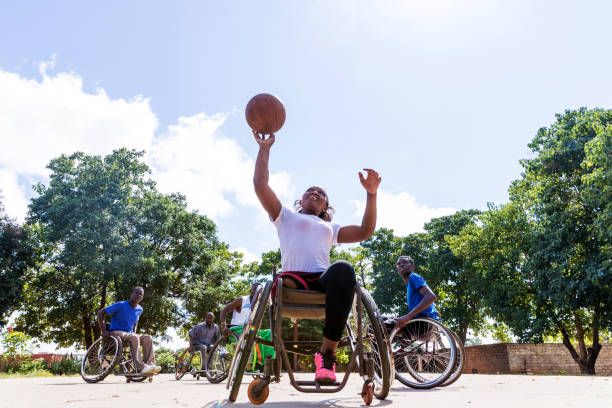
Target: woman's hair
[(325, 215)]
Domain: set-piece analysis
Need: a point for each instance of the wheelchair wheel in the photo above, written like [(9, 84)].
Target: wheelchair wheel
[(220, 358), (459, 361), (100, 359), (183, 364), (424, 353), (374, 342), (247, 339)]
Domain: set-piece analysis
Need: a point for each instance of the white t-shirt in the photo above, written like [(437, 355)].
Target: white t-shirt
[(238, 319), (305, 241)]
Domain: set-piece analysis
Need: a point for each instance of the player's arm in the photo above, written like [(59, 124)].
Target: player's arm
[(358, 233), (265, 194), (101, 323), (236, 304), (428, 299)]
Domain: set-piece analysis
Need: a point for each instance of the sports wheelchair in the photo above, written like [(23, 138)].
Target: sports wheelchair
[(366, 338), (213, 363), (426, 353), (111, 355)]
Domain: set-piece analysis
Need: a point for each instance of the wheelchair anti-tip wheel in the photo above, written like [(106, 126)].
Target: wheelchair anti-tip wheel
[(100, 359), (258, 391), (424, 353), (367, 393)]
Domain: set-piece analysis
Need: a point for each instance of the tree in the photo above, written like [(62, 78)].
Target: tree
[(102, 228), (15, 258), (546, 255), (453, 278)]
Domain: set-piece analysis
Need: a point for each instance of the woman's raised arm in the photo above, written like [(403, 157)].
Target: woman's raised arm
[(358, 233), (265, 194)]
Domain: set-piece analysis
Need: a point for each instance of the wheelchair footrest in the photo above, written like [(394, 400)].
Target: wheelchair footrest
[(314, 384)]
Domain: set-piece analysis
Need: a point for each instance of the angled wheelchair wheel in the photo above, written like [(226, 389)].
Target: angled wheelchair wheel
[(459, 361), (374, 341), (220, 358), (100, 359), (424, 353), (183, 364), (247, 339)]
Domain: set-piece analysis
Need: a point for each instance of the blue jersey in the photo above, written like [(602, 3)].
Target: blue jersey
[(413, 297), (123, 316)]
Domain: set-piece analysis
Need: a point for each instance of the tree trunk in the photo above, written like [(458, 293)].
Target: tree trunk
[(462, 332), (580, 337), (594, 350), (87, 331), (103, 297), (582, 363)]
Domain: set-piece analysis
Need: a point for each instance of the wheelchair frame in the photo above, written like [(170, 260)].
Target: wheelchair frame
[(361, 358), (122, 358)]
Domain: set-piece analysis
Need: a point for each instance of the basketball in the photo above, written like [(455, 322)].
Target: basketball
[(265, 113)]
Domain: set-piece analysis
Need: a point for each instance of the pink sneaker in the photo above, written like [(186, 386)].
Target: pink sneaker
[(326, 367)]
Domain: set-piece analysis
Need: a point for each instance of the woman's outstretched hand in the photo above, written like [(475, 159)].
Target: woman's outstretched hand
[(262, 141), (371, 181)]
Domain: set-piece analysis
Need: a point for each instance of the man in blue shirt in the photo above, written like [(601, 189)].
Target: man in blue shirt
[(124, 320), (418, 295)]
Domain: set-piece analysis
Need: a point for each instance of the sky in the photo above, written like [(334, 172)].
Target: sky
[(440, 97)]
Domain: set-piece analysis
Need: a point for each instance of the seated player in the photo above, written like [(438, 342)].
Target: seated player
[(204, 335), (418, 295), (241, 308), (124, 320)]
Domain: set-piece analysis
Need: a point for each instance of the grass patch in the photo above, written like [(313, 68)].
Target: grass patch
[(41, 373)]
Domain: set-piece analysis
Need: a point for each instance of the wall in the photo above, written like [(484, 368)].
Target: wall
[(544, 358)]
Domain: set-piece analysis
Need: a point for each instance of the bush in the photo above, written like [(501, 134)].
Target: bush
[(65, 366), (166, 359), (28, 366)]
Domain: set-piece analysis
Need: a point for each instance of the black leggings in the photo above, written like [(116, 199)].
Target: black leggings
[(338, 283)]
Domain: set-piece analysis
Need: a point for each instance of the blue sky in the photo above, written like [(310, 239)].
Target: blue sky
[(441, 97)]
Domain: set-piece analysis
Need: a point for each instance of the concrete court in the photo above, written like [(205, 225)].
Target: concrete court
[(516, 391)]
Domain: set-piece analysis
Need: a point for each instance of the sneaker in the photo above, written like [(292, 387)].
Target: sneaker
[(147, 369), (326, 367), (157, 368)]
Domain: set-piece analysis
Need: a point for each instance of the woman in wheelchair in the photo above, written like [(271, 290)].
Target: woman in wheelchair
[(306, 235), (124, 320)]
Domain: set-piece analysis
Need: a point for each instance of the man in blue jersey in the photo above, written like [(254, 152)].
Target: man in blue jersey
[(418, 295), (124, 320)]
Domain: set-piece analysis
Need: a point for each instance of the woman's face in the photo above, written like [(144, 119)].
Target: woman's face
[(314, 201)]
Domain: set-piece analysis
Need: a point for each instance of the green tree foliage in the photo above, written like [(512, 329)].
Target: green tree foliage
[(497, 249), (545, 257), (16, 256), (453, 278), (382, 249), (102, 228)]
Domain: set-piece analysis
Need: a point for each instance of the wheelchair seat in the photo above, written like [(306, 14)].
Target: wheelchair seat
[(302, 304)]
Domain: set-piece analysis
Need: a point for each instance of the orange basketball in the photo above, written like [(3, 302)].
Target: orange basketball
[(265, 113)]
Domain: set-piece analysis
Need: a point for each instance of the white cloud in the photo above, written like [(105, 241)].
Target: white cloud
[(42, 119), (247, 256), (402, 213), (12, 195), (213, 171)]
